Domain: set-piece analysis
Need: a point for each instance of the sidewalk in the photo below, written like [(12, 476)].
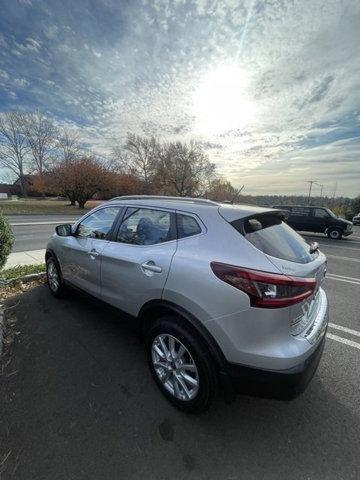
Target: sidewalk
[(31, 257)]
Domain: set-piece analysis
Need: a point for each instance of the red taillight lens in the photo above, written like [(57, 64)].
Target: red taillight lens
[(267, 290)]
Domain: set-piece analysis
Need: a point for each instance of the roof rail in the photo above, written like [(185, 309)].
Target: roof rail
[(199, 201)]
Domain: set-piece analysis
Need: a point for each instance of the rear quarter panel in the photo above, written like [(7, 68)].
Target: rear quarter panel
[(191, 282)]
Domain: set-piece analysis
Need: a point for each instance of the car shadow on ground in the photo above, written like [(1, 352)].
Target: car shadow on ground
[(78, 402)]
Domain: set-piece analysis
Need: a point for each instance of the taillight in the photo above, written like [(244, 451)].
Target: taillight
[(267, 290)]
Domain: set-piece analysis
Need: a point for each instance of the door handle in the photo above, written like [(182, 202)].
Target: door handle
[(151, 267), (93, 253)]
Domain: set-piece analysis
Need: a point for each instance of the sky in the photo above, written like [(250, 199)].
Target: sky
[(270, 88)]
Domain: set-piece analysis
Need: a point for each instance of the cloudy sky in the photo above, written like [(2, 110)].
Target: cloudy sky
[(271, 88)]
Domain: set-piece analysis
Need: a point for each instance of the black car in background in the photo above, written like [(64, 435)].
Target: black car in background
[(316, 219)]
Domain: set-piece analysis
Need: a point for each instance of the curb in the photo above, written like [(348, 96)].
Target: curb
[(25, 279)]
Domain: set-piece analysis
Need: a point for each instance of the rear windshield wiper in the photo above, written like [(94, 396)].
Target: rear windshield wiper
[(314, 246)]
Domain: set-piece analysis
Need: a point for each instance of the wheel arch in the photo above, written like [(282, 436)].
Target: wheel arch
[(156, 308), (50, 253)]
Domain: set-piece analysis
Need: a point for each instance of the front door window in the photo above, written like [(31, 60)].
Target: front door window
[(98, 225)]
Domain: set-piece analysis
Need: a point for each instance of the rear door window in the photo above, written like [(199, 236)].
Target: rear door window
[(270, 234), (143, 226)]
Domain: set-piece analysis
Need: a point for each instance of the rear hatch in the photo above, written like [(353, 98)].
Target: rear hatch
[(290, 253)]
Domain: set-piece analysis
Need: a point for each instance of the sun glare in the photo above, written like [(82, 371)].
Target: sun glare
[(222, 102)]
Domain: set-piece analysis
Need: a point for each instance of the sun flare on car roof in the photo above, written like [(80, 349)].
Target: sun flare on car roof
[(222, 101)]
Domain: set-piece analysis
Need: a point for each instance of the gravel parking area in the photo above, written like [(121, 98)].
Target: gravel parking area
[(77, 400)]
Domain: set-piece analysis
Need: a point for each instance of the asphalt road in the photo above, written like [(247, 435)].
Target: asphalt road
[(32, 232), (77, 401)]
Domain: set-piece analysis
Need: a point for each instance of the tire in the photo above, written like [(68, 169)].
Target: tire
[(334, 233), (170, 375), (54, 277)]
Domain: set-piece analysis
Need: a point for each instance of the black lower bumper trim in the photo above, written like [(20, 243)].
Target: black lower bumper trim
[(282, 385)]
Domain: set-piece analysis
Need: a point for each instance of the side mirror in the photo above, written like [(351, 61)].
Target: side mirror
[(64, 230)]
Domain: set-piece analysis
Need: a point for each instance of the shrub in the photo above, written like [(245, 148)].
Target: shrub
[(6, 240)]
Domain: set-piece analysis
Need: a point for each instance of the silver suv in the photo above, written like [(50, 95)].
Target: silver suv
[(227, 296)]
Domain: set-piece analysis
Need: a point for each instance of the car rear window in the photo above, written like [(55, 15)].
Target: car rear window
[(270, 234)]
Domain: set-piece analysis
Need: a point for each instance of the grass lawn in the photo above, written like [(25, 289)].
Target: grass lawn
[(42, 206), (20, 271)]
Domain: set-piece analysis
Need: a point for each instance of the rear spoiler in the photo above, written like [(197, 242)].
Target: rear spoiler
[(241, 212)]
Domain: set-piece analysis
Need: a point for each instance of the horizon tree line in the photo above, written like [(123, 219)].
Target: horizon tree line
[(31, 143)]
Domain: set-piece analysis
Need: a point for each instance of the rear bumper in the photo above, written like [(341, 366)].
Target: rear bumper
[(281, 384)]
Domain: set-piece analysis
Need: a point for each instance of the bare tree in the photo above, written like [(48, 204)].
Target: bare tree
[(40, 133), (221, 190), (140, 155), (69, 144), (184, 169), (119, 160), (14, 147)]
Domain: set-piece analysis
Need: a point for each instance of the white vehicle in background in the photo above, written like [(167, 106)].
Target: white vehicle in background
[(356, 219)]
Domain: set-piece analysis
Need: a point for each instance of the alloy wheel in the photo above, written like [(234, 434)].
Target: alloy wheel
[(175, 367), (53, 276)]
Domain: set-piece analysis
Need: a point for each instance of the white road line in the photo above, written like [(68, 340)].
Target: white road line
[(337, 243), (321, 238), (342, 280), (350, 259), (343, 340), (344, 329), (340, 247), (343, 276)]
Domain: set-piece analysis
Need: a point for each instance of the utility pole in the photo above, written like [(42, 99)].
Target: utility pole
[(321, 190), (310, 182), (334, 193)]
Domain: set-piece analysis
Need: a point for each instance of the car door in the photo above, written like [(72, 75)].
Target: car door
[(321, 219), (135, 264), (81, 252)]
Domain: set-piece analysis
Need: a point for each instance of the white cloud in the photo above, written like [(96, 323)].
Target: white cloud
[(146, 71), (3, 43), (51, 31), (303, 66), (96, 53), (32, 44), (20, 82), (4, 76)]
